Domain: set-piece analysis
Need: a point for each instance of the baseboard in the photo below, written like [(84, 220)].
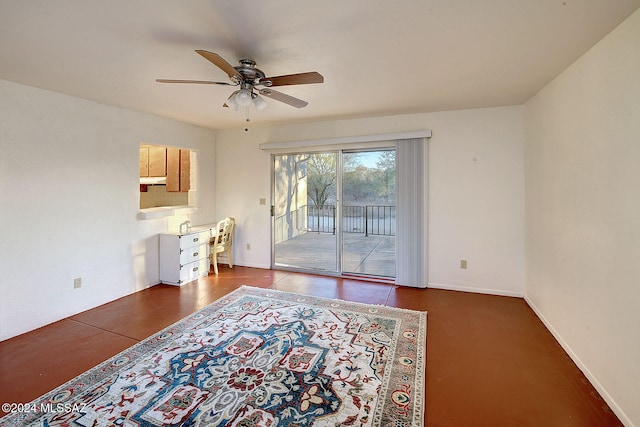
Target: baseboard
[(251, 265), (592, 379), (498, 292)]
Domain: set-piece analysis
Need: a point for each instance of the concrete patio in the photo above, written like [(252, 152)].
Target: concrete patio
[(369, 255)]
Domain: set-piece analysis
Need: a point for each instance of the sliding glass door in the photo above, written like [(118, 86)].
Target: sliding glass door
[(334, 212), (304, 212), (369, 213)]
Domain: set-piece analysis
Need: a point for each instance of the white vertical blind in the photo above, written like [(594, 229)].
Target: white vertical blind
[(410, 228)]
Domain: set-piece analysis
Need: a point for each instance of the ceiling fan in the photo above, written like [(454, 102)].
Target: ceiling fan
[(253, 83)]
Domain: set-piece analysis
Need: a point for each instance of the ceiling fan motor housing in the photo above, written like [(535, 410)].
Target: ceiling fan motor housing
[(250, 73)]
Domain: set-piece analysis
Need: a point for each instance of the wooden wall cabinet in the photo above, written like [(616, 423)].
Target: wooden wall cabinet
[(153, 161), (178, 169), (171, 162), (144, 161), (185, 170)]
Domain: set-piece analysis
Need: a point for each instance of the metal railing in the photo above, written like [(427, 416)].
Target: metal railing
[(380, 220), (321, 219), (377, 220)]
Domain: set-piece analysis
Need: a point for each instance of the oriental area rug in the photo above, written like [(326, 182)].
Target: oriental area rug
[(256, 357)]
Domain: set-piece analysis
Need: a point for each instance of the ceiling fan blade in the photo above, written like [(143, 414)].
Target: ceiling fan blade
[(221, 63), (199, 82), (296, 79), (279, 96)]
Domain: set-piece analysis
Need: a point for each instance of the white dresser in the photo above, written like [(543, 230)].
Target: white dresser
[(184, 257)]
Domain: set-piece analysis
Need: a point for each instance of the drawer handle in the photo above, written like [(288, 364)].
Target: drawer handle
[(195, 239), (195, 268), (195, 254)]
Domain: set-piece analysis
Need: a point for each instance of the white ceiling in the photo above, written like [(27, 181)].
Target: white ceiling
[(378, 57)]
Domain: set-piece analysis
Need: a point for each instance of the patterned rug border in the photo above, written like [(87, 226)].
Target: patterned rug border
[(114, 363), (325, 299)]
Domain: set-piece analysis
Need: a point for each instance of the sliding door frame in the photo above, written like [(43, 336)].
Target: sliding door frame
[(338, 222)]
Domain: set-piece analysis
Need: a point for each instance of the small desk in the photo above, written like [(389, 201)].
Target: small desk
[(184, 257)]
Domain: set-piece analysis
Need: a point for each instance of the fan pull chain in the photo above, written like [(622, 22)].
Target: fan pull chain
[(246, 129)]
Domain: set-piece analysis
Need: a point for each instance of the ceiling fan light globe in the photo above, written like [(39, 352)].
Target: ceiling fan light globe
[(232, 103), (243, 98), (259, 103)]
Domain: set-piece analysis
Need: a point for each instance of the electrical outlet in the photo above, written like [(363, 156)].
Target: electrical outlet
[(263, 201), (77, 282), (248, 246), (463, 264)]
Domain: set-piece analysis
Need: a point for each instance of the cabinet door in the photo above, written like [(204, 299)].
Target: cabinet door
[(144, 161), (178, 169), (185, 170), (157, 161), (173, 169)]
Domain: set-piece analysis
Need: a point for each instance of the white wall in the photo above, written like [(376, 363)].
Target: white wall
[(476, 185), (69, 200), (583, 213)]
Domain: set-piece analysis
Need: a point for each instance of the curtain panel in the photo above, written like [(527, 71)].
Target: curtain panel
[(411, 238)]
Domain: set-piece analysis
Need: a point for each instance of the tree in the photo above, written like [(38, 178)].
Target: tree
[(387, 167), (321, 178), (359, 185)]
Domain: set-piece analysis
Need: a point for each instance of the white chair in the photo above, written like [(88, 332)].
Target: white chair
[(221, 242)]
